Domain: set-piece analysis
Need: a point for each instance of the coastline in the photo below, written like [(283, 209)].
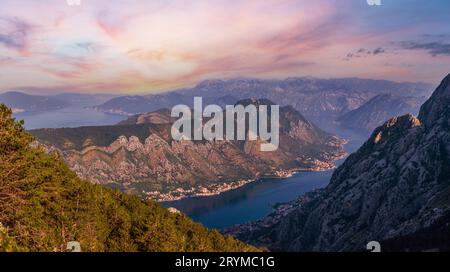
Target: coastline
[(279, 211), (217, 189)]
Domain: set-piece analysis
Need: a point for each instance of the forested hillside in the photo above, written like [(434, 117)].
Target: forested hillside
[(44, 205)]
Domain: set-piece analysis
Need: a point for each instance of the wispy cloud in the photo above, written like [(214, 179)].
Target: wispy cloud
[(90, 47), (144, 46), (433, 48), (14, 34), (364, 53), (378, 51)]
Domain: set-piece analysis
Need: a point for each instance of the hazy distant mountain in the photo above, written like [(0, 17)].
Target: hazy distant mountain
[(21, 102), (315, 98), (379, 109), (84, 99), (139, 154), (395, 188), (131, 105)]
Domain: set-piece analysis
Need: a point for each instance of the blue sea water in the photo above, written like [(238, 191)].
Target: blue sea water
[(255, 200)]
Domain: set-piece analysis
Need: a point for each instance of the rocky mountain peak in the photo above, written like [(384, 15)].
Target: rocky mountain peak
[(437, 109), (131, 144), (395, 126)]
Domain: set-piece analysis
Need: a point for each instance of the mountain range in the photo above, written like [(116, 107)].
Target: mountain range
[(139, 156), (84, 99), (316, 99), (21, 102), (394, 189), (377, 110), (360, 104)]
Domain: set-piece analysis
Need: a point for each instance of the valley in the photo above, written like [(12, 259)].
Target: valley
[(227, 185)]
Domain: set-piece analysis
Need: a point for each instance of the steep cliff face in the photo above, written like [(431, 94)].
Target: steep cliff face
[(397, 183), (139, 155)]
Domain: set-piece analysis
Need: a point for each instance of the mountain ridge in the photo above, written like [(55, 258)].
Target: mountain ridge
[(377, 110), (396, 184), (316, 99)]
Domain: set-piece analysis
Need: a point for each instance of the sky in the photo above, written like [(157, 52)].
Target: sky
[(136, 46)]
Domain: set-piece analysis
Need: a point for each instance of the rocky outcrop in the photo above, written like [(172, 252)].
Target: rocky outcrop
[(396, 184)]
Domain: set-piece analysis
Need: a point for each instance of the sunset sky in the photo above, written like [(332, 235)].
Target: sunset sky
[(137, 46)]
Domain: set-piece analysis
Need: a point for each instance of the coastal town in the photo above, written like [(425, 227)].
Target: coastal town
[(216, 189), (219, 188), (180, 193)]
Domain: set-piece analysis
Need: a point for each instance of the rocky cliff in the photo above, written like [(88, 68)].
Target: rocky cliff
[(396, 184)]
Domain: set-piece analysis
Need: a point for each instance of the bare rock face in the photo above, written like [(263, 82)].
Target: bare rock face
[(436, 110), (396, 184), (139, 155)]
